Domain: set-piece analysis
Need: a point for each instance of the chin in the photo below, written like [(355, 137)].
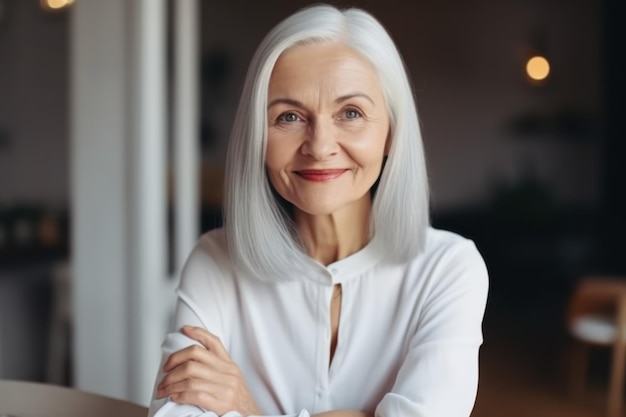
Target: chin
[(323, 208)]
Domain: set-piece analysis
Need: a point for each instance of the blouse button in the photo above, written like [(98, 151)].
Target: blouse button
[(334, 270)]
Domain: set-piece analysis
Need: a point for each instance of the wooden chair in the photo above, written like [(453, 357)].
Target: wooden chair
[(28, 399), (597, 317)]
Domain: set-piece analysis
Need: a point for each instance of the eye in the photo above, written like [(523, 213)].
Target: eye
[(288, 117), (351, 114)]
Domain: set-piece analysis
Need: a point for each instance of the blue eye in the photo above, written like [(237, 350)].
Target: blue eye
[(352, 114), (288, 117)]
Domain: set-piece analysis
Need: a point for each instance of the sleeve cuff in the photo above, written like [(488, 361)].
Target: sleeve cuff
[(302, 413)]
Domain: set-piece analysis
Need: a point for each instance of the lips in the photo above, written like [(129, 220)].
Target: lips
[(320, 175)]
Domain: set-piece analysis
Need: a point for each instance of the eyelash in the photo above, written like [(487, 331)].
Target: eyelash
[(282, 116)]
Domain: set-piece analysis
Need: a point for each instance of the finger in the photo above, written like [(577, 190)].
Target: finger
[(193, 369), (190, 353), (225, 393), (187, 370), (210, 396), (201, 399), (203, 392), (208, 340)]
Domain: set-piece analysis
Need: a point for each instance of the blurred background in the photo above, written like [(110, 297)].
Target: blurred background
[(521, 106)]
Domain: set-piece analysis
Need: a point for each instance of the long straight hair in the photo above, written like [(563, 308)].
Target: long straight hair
[(262, 238)]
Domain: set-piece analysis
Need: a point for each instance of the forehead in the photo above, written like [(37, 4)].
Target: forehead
[(323, 64)]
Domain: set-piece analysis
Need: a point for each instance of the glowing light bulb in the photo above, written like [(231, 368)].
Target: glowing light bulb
[(538, 68), (56, 4)]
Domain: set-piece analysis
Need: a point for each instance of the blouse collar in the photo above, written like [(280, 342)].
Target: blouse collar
[(348, 268)]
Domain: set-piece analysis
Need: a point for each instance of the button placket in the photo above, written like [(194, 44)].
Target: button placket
[(323, 353)]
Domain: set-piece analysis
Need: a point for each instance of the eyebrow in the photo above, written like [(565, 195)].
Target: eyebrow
[(292, 102), (283, 100), (353, 95)]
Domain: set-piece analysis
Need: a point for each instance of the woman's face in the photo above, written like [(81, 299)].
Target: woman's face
[(328, 127)]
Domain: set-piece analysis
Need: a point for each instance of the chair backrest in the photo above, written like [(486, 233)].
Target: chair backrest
[(29, 399), (597, 295)]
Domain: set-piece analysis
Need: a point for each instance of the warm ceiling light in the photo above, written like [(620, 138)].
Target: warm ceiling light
[(538, 68), (55, 4)]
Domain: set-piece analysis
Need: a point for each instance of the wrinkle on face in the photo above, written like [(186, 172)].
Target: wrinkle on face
[(326, 111)]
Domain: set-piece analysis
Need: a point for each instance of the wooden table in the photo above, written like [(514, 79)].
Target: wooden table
[(29, 399)]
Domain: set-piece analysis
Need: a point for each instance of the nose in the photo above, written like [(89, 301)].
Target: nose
[(321, 140)]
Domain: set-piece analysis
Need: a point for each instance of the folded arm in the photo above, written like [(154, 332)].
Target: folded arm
[(205, 376)]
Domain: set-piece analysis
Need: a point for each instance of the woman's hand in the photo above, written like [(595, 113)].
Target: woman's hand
[(206, 377)]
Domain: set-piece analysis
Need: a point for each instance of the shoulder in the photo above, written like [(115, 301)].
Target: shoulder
[(451, 260), (208, 266), (445, 244), (212, 244), (211, 248), (442, 239)]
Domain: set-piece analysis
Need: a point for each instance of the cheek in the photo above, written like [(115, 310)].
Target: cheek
[(274, 155), (276, 161), (372, 150), (276, 181)]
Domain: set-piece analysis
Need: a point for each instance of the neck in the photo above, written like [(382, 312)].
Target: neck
[(331, 237)]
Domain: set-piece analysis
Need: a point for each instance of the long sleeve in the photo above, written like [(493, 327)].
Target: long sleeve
[(173, 342), (200, 303), (439, 374), (206, 298)]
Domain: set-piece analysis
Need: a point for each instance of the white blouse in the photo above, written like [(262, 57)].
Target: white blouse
[(408, 334)]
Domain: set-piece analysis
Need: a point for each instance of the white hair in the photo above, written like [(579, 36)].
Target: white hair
[(261, 235)]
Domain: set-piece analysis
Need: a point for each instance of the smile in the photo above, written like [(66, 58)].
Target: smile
[(320, 175)]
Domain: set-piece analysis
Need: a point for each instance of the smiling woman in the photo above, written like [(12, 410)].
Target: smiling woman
[(327, 292), (328, 129)]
